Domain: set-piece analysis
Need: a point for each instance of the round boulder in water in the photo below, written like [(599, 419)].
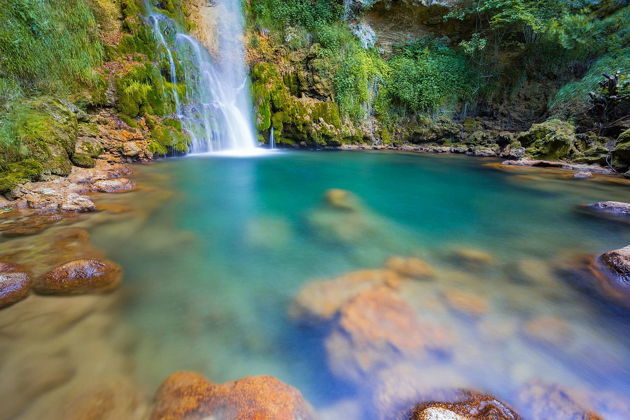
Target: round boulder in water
[(187, 395), (15, 284), (79, 277)]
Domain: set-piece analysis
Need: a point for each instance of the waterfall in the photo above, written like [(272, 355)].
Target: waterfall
[(272, 140), (215, 106)]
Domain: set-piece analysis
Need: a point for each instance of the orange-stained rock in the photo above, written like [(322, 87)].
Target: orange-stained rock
[(549, 330), (473, 258), (466, 302), (113, 185), (546, 401), (319, 301), (474, 406), (15, 284), (410, 267), (377, 329), (188, 395), (80, 276)]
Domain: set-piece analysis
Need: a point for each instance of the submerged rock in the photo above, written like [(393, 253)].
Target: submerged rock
[(473, 406), (410, 267), (472, 258), (15, 284), (80, 276), (188, 395), (320, 301), (546, 401), (609, 209), (378, 329), (114, 185), (467, 303)]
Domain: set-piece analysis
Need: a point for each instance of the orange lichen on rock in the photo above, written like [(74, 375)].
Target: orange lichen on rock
[(188, 395)]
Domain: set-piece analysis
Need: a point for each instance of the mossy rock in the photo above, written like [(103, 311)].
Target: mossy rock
[(621, 153), (83, 160), (167, 136), (46, 131), (16, 173), (553, 139)]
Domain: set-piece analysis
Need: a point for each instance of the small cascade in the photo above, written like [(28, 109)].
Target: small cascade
[(211, 93), (272, 140)]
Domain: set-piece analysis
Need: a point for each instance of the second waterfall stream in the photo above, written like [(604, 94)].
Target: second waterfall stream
[(210, 91)]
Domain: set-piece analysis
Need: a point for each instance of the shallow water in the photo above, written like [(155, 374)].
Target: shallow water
[(211, 270)]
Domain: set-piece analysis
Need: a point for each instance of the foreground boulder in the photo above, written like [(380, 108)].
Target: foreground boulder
[(473, 406), (15, 284), (188, 395), (79, 277)]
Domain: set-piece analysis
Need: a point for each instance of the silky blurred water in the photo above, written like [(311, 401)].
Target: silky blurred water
[(210, 274)]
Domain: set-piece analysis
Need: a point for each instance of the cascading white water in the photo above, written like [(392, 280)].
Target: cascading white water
[(215, 109)]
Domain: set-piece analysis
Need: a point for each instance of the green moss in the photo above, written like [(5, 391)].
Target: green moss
[(554, 139), (167, 136), (141, 91), (16, 173), (83, 160)]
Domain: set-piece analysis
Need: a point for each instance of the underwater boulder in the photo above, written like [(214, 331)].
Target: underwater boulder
[(615, 210), (15, 284), (377, 329), (320, 301), (188, 395), (548, 401), (79, 277), (410, 267), (472, 258)]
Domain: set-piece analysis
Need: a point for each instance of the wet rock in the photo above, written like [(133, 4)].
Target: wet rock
[(320, 301), (472, 258), (617, 262), (410, 267), (615, 210), (465, 302), (131, 149), (378, 329), (473, 406), (113, 185), (15, 284), (583, 174), (28, 224), (546, 401), (79, 277), (188, 395)]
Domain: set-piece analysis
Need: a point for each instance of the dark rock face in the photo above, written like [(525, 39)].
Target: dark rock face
[(547, 401), (618, 263), (15, 284), (473, 406), (79, 277), (188, 395)]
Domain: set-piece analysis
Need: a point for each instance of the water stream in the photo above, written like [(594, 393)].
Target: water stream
[(215, 108)]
